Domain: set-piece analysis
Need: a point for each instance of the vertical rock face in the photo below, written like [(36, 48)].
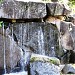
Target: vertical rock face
[(22, 10), (67, 41), (39, 37), (12, 51), (72, 59), (66, 37), (73, 34)]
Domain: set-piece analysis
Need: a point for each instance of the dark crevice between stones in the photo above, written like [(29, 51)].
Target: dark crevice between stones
[(70, 73), (48, 10), (21, 20), (37, 20), (28, 69), (72, 57), (48, 13), (1, 71)]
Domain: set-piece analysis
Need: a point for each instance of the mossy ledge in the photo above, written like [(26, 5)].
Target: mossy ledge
[(42, 58)]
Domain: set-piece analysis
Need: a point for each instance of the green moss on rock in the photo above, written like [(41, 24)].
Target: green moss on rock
[(42, 58)]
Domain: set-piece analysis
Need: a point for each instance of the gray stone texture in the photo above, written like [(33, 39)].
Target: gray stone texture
[(66, 36), (69, 68), (44, 68), (12, 9), (41, 65), (40, 37), (12, 51), (54, 9)]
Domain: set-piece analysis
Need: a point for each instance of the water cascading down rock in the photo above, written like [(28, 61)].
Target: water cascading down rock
[(16, 51), (36, 37)]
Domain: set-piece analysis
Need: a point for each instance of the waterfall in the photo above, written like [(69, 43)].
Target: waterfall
[(4, 49), (11, 48), (21, 41), (52, 52), (41, 42)]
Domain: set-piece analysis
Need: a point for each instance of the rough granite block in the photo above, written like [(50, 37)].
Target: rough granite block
[(54, 9), (22, 10)]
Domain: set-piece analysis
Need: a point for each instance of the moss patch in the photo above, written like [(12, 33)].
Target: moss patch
[(36, 57)]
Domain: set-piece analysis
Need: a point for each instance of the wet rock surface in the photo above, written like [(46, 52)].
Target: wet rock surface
[(12, 53), (36, 36), (44, 66), (50, 37)]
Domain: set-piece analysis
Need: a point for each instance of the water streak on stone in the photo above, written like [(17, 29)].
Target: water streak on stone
[(4, 49), (22, 57), (11, 48), (41, 42)]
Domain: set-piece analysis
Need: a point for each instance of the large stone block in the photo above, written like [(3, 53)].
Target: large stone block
[(22, 10), (40, 37), (43, 65), (55, 9), (36, 10)]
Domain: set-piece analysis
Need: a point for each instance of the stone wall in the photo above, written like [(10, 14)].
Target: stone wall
[(37, 28)]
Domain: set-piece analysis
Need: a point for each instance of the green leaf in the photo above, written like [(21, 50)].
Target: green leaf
[(1, 24), (1, 1)]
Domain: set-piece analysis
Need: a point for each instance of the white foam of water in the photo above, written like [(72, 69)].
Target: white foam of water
[(41, 42), (4, 48), (18, 73)]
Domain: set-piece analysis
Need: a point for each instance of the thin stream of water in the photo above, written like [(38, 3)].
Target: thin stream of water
[(11, 48), (41, 42), (22, 57), (4, 49)]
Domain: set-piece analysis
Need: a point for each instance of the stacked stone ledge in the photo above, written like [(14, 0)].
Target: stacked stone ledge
[(28, 10), (22, 10)]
